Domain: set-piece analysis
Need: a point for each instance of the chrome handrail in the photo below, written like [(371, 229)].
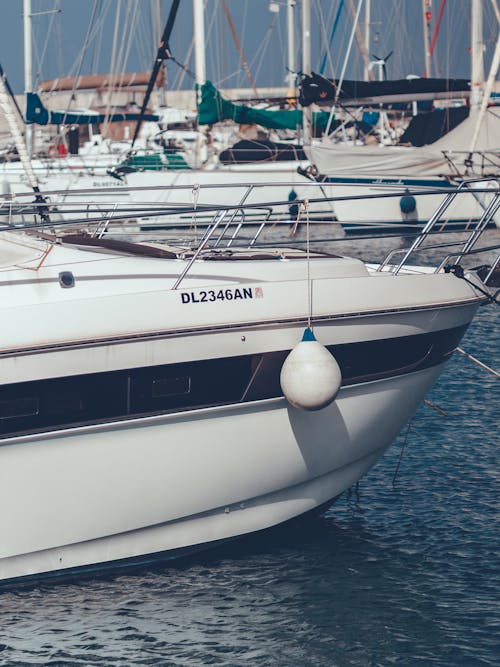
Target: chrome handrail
[(487, 216), (228, 223), (225, 224), (218, 219), (446, 261), (476, 232)]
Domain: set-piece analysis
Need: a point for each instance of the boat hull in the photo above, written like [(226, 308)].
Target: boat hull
[(168, 485), (141, 422), (390, 212)]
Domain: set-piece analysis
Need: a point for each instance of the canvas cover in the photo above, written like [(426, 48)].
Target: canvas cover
[(37, 113), (317, 89), (214, 108)]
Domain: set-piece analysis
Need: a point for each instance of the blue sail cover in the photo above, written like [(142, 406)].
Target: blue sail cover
[(37, 113)]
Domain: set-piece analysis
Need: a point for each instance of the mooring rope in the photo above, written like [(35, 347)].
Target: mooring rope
[(479, 363), (196, 193), (458, 271)]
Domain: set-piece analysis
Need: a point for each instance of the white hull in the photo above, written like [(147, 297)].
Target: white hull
[(139, 420), (267, 186), (117, 492), (365, 169), (465, 210), (267, 181)]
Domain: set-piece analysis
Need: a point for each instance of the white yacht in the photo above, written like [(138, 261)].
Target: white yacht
[(142, 414)]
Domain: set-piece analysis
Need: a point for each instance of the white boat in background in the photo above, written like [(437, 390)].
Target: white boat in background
[(366, 170), (145, 410), (471, 149)]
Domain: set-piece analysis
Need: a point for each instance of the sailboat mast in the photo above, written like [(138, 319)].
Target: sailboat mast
[(199, 46), (28, 68), (290, 30), (426, 17), (200, 74), (486, 94), (366, 69), (156, 25), (477, 46), (306, 68)]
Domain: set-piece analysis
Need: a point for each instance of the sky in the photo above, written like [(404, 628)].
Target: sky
[(92, 36)]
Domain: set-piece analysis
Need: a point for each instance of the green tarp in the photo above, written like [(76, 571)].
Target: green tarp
[(153, 162), (214, 108)]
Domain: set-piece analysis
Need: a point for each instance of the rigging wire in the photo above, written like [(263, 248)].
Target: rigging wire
[(179, 79), (41, 58), (359, 36), (257, 60), (97, 36), (244, 23), (327, 56), (218, 54), (82, 52), (435, 36), (58, 32), (189, 54), (239, 48), (113, 62), (260, 54), (215, 54), (185, 69), (282, 49), (127, 41), (96, 31), (145, 34)]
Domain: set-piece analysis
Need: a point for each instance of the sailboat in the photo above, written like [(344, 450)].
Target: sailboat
[(65, 165), (261, 174), (133, 172), (471, 148)]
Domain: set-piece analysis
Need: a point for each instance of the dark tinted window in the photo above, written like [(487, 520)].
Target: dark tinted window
[(58, 402), (18, 407)]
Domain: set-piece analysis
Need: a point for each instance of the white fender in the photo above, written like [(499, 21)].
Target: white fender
[(310, 377)]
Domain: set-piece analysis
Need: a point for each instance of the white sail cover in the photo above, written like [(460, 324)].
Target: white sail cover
[(459, 138), (340, 159)]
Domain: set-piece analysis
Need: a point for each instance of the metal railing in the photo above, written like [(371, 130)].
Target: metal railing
[(223, 224), (476, 232)]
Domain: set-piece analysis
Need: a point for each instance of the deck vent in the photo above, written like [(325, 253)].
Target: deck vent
[(66, 279)]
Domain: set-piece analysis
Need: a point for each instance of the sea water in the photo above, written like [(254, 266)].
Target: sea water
[(402, 570)]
